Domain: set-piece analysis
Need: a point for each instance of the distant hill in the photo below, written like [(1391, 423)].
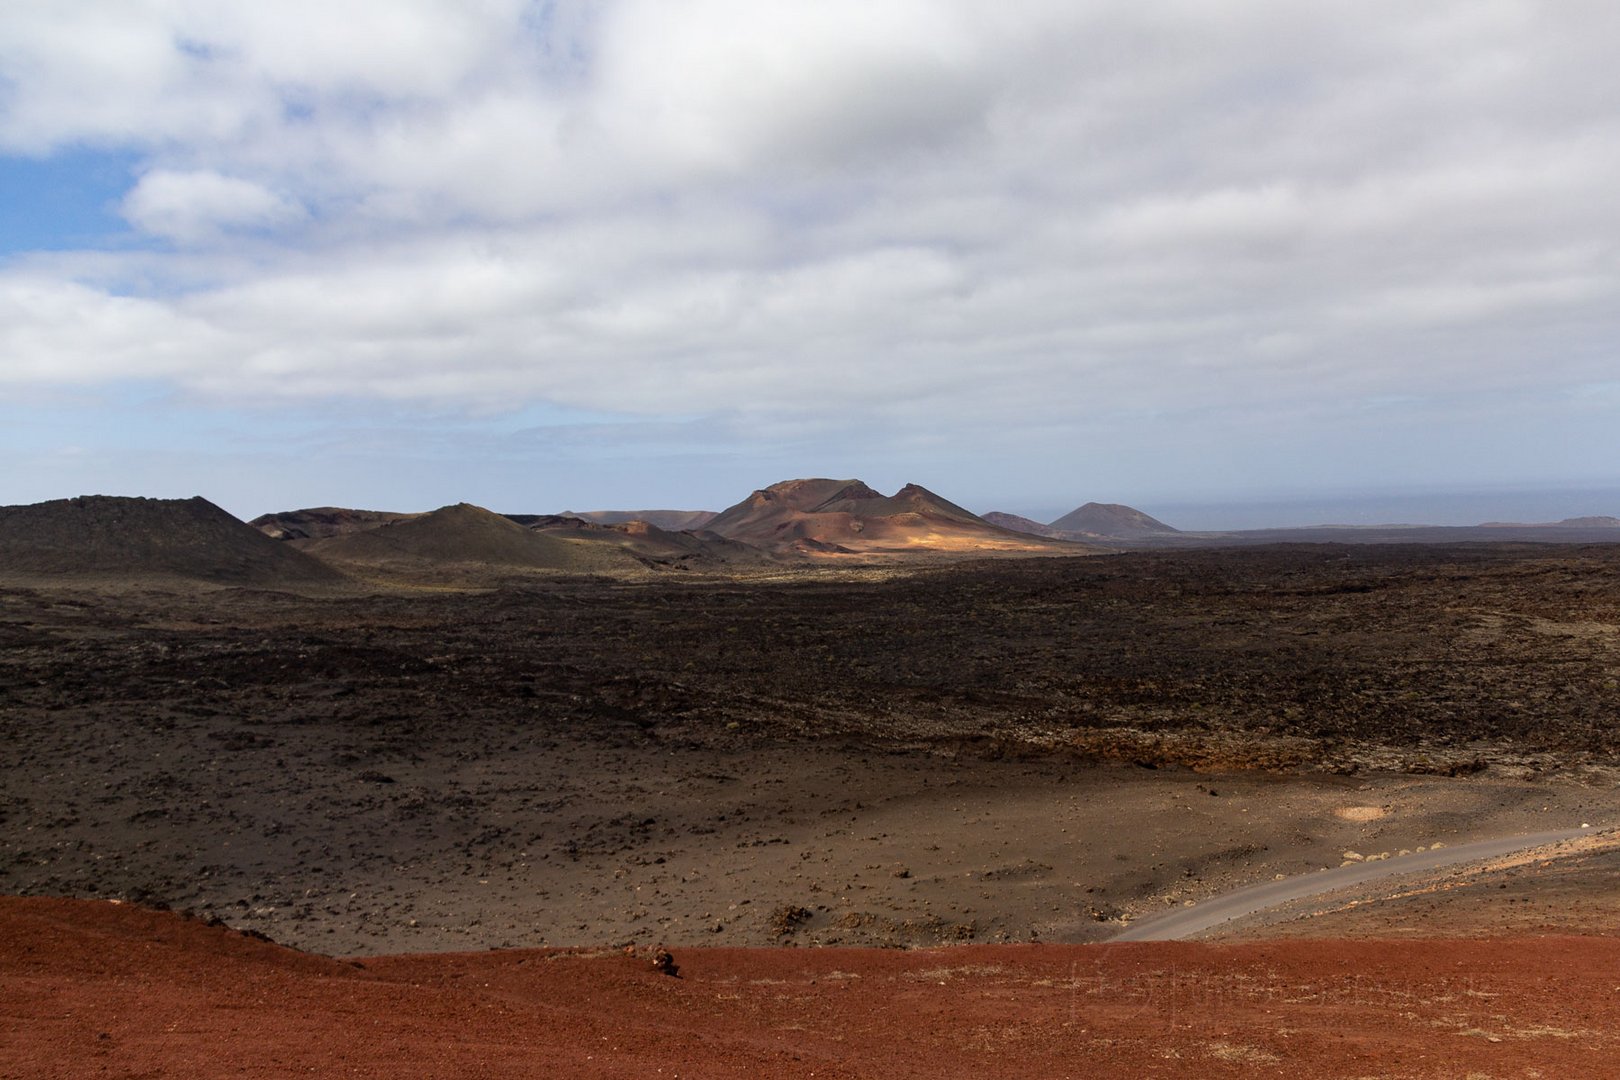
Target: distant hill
[(1092, 522), (1111, 520), (1023, 525), (462, 539), (322, 521), (1576, 530), (132, 539), (822, 517), (1596, 522), (1581, 530), (671, 520), (652, 545)]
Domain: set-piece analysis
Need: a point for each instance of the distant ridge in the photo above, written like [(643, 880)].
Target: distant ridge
[(1595, 529), (1023, 525), (656, 547), (320, 522), (110, 537), (821, 517), (1594, 522), (670, 520)]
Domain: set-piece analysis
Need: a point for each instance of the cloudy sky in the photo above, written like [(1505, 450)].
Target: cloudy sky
[(634, 253)]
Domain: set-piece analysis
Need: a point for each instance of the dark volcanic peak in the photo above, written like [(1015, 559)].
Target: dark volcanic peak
[(1110, 519), (113, 537)]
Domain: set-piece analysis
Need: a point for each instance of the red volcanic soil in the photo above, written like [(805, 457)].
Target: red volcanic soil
[(96, 988)]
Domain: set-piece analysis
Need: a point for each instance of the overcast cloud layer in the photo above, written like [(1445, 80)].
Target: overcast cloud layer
[(1046, 251)]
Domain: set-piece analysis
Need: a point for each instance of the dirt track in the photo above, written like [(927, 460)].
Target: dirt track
[(1359, 877)]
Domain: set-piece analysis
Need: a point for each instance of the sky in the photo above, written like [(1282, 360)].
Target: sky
[(1308, 259)]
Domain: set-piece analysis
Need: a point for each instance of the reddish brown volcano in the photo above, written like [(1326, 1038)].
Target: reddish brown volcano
[(846, 517)]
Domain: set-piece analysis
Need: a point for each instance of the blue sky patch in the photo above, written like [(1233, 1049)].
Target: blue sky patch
[(64, 202)]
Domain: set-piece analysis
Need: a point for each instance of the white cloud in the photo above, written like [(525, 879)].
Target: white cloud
[(199, 206), (792, 211), (60, 333), (730, 85)]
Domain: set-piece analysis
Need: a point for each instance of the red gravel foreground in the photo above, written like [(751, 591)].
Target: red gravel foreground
[(100, 989)]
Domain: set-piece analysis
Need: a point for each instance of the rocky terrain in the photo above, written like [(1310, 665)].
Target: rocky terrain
[(892, 758), (458, 743)]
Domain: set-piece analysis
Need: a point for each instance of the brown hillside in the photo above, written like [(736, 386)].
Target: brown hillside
[(113, 538), (462, 538), (822, 517)]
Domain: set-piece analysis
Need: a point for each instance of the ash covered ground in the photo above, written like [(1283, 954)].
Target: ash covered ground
[(984, 751)]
